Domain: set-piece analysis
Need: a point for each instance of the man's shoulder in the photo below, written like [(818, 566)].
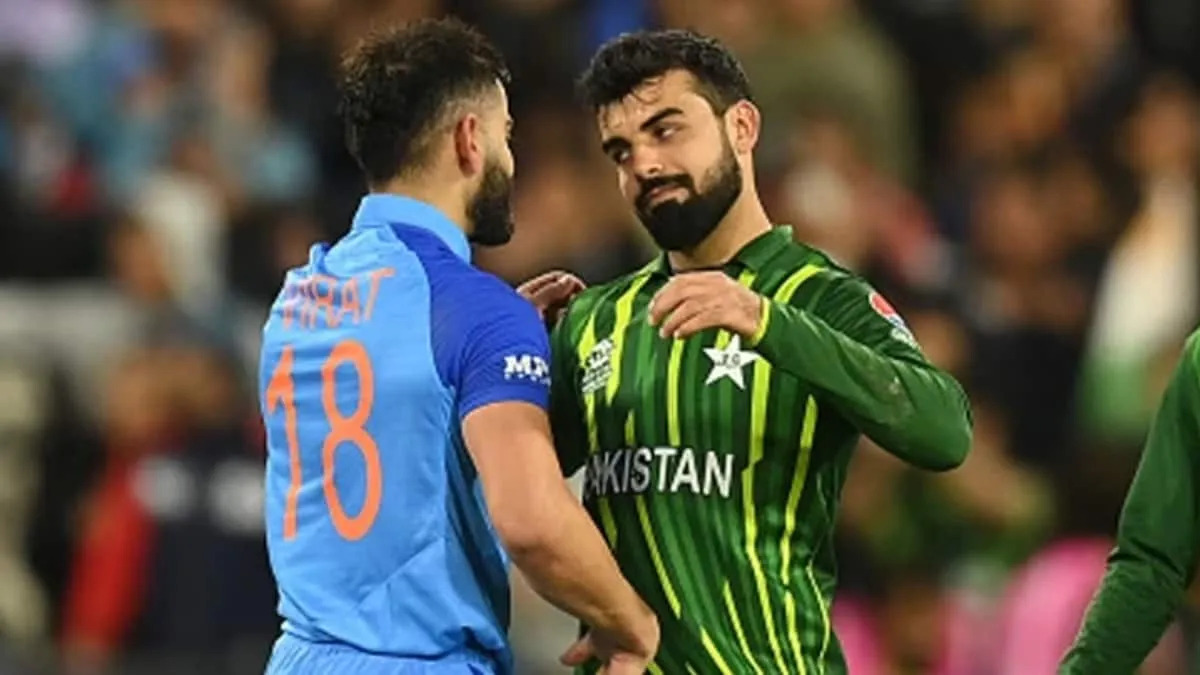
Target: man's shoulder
[(818, 272), (462, 297), (464, 285), (1191, 351), (595, 297), (812, 279)]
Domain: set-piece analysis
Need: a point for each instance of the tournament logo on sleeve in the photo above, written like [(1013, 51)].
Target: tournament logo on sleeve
[(900, 330)]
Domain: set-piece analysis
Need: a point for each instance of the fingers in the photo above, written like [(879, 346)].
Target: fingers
[(555, 278), (578, 653), (539, 282), (689, 312), (550, 289), (575, 285), (678, 314), (693, 302), (569, 285), (677, 291), (698, 322), (557, 291), (623, 664), (570, 280)]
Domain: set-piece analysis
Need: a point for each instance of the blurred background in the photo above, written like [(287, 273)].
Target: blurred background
[(1019, 176)]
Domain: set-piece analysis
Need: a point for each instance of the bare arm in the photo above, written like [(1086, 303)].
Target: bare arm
[(545, 529)]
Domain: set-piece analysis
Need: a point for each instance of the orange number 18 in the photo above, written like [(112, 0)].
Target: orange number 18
[(343, 429)]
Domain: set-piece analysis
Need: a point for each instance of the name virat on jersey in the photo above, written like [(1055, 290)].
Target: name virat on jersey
[(319, 301), (660, 469)]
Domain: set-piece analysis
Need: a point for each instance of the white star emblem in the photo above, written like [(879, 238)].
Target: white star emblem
[(728, 362)]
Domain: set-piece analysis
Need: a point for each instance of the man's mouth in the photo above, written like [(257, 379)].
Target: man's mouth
[(661, 193)]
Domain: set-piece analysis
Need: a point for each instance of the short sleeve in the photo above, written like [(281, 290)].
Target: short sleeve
[(489, 344), (506, 357)]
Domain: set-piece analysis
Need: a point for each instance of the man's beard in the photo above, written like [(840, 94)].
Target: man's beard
[(490, 210), (680, 225)]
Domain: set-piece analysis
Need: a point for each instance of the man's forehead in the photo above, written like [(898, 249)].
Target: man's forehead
[(670, 90)]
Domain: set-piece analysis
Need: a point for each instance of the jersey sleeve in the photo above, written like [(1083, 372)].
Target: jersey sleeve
[(489, 343), (506, 359), (1157, 538), (853, 347)]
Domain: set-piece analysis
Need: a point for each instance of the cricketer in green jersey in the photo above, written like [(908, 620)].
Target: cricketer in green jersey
[(1158, 539), (716, 395)]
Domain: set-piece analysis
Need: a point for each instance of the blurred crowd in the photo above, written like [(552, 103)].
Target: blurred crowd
[(1019, 176)]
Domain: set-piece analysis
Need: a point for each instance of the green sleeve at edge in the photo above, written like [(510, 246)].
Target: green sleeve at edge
[(1156, 553)]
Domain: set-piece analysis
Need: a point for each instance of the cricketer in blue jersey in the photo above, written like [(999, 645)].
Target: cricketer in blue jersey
[(404, 393)]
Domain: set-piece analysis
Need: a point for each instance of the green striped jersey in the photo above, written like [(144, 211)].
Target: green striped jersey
[(714, 475)]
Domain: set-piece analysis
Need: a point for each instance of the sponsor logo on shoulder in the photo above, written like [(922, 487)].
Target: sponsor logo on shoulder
[(526, 367)]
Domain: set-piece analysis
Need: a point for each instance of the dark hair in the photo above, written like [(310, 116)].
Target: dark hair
[(625, 62), (398, 85)]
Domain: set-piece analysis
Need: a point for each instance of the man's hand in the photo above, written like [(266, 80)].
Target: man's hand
[(616, 659), (550, 293), (695, 301)]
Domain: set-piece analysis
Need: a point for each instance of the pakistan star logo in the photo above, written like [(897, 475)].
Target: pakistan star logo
[(728, 362)]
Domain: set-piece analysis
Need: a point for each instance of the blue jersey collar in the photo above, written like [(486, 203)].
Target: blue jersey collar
[(377, 210)]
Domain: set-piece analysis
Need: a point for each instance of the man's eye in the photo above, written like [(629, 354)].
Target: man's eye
[(619, 156), (664, 132)]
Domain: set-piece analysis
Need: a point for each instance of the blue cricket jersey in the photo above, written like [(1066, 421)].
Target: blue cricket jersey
[(374, 352)]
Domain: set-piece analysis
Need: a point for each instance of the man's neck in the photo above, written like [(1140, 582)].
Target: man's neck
[(439, 199), (746, 221)]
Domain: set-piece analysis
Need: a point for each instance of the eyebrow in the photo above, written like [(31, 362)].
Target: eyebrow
[(658, 117), (619, 142)]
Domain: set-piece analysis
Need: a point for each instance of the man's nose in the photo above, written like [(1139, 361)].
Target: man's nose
[(646, 164)]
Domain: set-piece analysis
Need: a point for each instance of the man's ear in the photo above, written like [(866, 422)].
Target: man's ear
[(468, 144), (743, 122)]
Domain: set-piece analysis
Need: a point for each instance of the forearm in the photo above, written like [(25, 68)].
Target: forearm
[(542, 525), (568, 563), (1157, 540), (911, 409), (1127, 618)]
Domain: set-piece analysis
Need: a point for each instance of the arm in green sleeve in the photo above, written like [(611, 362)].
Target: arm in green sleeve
[(1157, 539), (566, 412), (870, 370)]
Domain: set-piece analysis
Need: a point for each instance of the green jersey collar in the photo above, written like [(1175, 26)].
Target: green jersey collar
[(754, 255)]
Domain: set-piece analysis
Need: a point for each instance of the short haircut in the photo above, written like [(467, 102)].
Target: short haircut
[(627, 61), (398, 87)]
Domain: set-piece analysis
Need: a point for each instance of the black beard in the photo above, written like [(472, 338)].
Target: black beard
[(490, 210), (680, 225)]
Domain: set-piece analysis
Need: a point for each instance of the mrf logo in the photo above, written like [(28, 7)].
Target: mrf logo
[(526, 367), (884, 308)]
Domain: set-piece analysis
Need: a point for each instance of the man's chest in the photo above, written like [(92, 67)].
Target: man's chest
[(709, 392)]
